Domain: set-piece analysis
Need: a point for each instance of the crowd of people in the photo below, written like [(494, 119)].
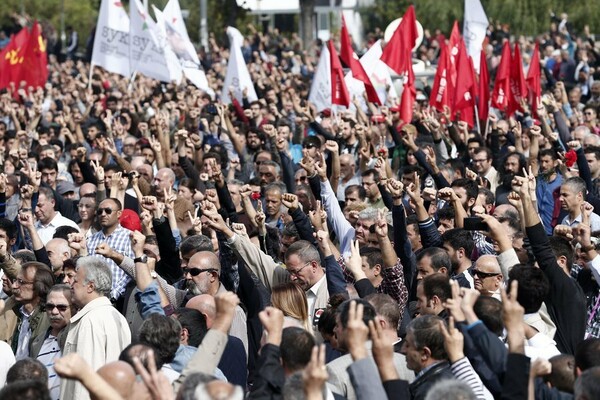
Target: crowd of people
[(157, 243)]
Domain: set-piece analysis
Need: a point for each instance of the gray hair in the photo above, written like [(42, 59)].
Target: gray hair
[(203, 393), (97, 271), (272, 163), (587, 385), (369, 213), (305, 251), (450, 389), (293, 389)]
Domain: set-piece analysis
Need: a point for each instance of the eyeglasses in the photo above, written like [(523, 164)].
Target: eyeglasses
[(301, 179), (309, 146), (296, 273), (196, 271), (61, 307), (483, 275), (106, 210), (21, 282)]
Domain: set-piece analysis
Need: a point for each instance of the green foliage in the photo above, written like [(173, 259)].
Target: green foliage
[(525, 17), (83, 14)]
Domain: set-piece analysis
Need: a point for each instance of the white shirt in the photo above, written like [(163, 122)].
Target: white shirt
[(24, 336), (7, 360), (594, 221), (46, 232), (311, 297)]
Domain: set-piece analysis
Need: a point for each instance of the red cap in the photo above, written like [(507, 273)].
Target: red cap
[(130, 220)]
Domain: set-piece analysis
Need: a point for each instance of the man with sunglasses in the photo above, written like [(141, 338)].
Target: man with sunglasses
[(47, 347), (117, 237), (488, 276)]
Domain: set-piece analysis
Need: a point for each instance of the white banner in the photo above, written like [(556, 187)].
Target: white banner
[(474, 30), (320, 91), (238, 76), (171, 20), (111, 43)]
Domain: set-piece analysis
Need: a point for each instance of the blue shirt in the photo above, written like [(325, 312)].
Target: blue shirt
[(545, 200)]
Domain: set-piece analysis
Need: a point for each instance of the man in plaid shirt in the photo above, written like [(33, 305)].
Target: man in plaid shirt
[(117, 237)]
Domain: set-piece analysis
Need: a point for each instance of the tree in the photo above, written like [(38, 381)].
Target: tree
[(307, 24)]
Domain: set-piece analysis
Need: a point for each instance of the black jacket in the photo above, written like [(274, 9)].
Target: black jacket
[(420, 386)]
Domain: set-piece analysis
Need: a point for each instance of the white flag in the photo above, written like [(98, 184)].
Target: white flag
[(377, 71), (320, 90), (147, 55), (173, 63), (474, 29), (238, 76), (179, 42), (111, 43)]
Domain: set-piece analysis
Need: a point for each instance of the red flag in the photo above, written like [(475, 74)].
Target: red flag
[(440, 94), (483, 104), (34, 69), (453, 45), (502, 86), (397, 54), (351, 60), (339, 91), (533, 80), (465, 86), (12, 57), (518, 89)]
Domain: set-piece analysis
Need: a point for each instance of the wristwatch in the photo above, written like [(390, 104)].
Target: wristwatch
[(142, 259)]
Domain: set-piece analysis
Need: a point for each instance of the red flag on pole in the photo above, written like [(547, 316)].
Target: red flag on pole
[(34, 69), (453, 45), (440, 94), (12, 57), (518, 89), (397, 54), (533, 80), (502, 86), (351, 60), (465, 86), (339, 91), (483, 103)]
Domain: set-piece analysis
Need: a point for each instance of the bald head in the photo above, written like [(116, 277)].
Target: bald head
[(506, 210), (58, 251), (87, 189), (205, 260), (164, 179), (205, 303), (120, 376), (488, 264)]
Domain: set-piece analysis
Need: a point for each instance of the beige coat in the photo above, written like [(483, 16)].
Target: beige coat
[(98, 333)]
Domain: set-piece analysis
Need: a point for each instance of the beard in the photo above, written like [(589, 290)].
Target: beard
[(191, 287)]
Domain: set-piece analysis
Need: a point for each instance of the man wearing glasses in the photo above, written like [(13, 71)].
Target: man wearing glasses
[(482, 163), (117, 237), (29, 290), (47, 347), (202, 277), (488, 276)]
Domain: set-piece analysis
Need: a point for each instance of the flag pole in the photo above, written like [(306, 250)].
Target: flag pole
[(131, 80), (487, 121), (477, 119), (90, 76)]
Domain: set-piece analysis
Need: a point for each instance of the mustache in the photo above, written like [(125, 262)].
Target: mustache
[(56, 318)]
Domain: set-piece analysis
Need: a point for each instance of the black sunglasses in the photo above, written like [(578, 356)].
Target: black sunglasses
[(196, 271), (107, 210), (483, 275), (309, 146), (61, 307)]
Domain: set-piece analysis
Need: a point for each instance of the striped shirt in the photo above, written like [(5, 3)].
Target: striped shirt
[(119, 241), (49, 353)]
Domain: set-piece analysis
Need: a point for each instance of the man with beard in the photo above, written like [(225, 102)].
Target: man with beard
[(47, 347), (202, 277), (115, 236), (548, 181), (514, 163)]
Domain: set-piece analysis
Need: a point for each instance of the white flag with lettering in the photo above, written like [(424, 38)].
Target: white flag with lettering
[(474, 30), (179, 42), (111, 43), (320, 91), (238, 76), (147, 54), (173, 63)]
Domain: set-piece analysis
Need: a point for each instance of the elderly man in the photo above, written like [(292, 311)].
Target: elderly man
[(47, 347), (347, 175), (488, 276), (98, 332), (58, 252), (48, 219), (202, 277)]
